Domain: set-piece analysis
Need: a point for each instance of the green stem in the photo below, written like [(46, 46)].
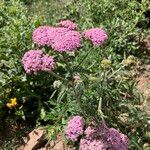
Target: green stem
[(116, 71), (84, 58), (100, 109), (57, 76)]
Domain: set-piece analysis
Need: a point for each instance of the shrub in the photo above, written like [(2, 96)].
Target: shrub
[(15, 30)]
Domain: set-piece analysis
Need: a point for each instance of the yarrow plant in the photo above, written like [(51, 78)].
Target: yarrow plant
[(75, 128), (98, 138), (41, 36), (64, 39), (96, 35), (68, 41), (59, 38), (35, 61), (91, 145), (80, 78), (116, 140)]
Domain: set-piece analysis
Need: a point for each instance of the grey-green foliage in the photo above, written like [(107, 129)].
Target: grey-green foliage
[(15, 32), (50, 10), (120, 18)]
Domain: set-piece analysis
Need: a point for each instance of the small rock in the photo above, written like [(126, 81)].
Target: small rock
[(52, 144), (59, 146), (34, 140)]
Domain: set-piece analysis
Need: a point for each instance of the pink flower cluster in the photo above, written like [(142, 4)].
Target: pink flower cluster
[(96, 35), (67, 41), (67, 24), (90, 132), (59, 38), (40, 36), (116, 140), (75, 128), (96, 138), (102, 139), (63, 38), (86, 144), (35, 61)]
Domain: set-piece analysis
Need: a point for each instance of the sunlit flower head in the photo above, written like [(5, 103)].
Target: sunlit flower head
[(75, 128), (35, 61), (96, 35)]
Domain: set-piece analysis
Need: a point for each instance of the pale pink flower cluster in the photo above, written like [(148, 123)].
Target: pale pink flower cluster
[(35, 61), (103, 139), (59, 38), (67, 24), (75, 128), (116, 140), (86, 144), (93, 139), (41, 36), (67, 42), (63, 38), (96, 35), (96, 138), (90, 132)]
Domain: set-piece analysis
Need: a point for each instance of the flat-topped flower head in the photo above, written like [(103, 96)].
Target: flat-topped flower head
[(96, 35), (86, 144), (35, 61), (67, 24), (59, 38), (75, 128), (54, 33), (68, 41), (40, 36), (32, 61), (97, 145), (46, 35), (116, 140)]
